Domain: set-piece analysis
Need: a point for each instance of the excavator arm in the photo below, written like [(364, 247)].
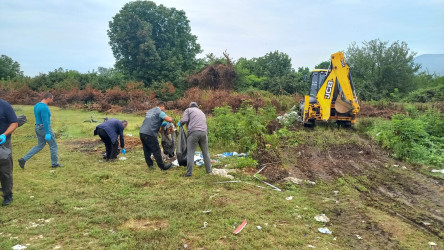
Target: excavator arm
[(346, 101)]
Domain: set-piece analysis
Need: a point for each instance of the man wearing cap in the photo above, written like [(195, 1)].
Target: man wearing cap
[(108, 131), (44, 132), (148, 135), (197, 134), (8, 123)]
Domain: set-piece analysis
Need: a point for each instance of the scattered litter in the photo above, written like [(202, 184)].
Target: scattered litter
[(359, 237), (122, 158), (206, 211), (274, 188), (129, 135), (230, 154), (431, 243), (31, 197), (78, 208), (18, 247), (212, 196), (289, 198), (395, 165), (361, 152), (322, 218), (438, 171), (288, 118), (311, 246), (112, 231), (426, 223), (404, 167), (40, 222), (266, 224), (239, 228), (336, 192), (185, 246), (57, 247), (223, 172), (52, 171), (205, 224), (100, 160), (324, 230), (334, 238), (259, 227)]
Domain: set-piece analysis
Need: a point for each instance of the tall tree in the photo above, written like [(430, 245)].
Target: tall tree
[(9, 68), (152, 42), (323, 65), (379, 69)]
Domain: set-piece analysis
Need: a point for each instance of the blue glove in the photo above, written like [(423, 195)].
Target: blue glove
[(48, 137), (178, 124), (163, 124), (2, 139), (123, 151)]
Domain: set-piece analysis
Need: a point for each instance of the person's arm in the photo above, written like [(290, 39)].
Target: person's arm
[(11, 128), (185, 117), (164, 117), (122, 139), (45, 115)]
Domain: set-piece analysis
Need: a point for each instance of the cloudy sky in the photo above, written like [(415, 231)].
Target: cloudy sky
[(47, 34)]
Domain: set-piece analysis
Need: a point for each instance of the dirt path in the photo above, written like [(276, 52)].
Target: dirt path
[(383, 203)]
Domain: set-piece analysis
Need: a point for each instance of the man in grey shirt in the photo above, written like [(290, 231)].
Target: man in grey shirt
[(148, 135), (197, 134)]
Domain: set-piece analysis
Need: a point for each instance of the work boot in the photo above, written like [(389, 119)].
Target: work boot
[(22, 163), (58, 165), (7, 200)]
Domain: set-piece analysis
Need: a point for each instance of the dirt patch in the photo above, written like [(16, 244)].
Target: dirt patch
[(96, 146), (145, 225), (337, 161), (371, 111)]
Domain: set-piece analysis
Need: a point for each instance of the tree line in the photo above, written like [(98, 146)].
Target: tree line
[(153, 44)]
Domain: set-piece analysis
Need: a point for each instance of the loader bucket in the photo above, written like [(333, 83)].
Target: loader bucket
[(342, 106)]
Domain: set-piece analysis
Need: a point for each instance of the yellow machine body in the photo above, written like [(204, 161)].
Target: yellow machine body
[(335, 96)]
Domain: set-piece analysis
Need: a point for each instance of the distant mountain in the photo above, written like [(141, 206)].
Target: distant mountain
[(433, 63)]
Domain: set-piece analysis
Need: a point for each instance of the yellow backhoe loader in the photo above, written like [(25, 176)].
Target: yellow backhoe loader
[(332, 95)]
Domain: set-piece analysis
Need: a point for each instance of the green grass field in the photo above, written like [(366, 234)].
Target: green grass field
[(91, 204)]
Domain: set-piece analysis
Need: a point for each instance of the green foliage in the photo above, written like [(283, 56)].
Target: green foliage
[(237, 162), (9, 68), (413, 137), (378, 68), (238, 131), (323, 65), (152, 42)]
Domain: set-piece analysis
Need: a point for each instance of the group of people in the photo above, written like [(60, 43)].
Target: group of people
[(155, 118), (108, 131)]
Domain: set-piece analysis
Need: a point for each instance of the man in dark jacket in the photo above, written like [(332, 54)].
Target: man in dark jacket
[(197, 134), (108, 132), (148, 135), (8, 123)]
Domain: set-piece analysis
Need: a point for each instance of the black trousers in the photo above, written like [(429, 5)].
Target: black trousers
[(6, 173), (151, 146), (112, 149)]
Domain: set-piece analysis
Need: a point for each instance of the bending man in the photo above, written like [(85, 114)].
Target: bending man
[(44, 132), (197, 134), (108, 132)]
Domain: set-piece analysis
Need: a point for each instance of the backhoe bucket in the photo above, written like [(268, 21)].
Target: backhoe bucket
[(342, 106)]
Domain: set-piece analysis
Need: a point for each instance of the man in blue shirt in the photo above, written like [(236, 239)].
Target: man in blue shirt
[(108, 132), (8, 123), (44, 132), (148, 135)]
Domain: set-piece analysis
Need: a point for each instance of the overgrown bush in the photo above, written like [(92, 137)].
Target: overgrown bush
[(413, 137), (238, 131)]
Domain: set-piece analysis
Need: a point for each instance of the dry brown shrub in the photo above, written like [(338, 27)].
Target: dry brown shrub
[(116, 96), (23, 95), (219, 76)]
